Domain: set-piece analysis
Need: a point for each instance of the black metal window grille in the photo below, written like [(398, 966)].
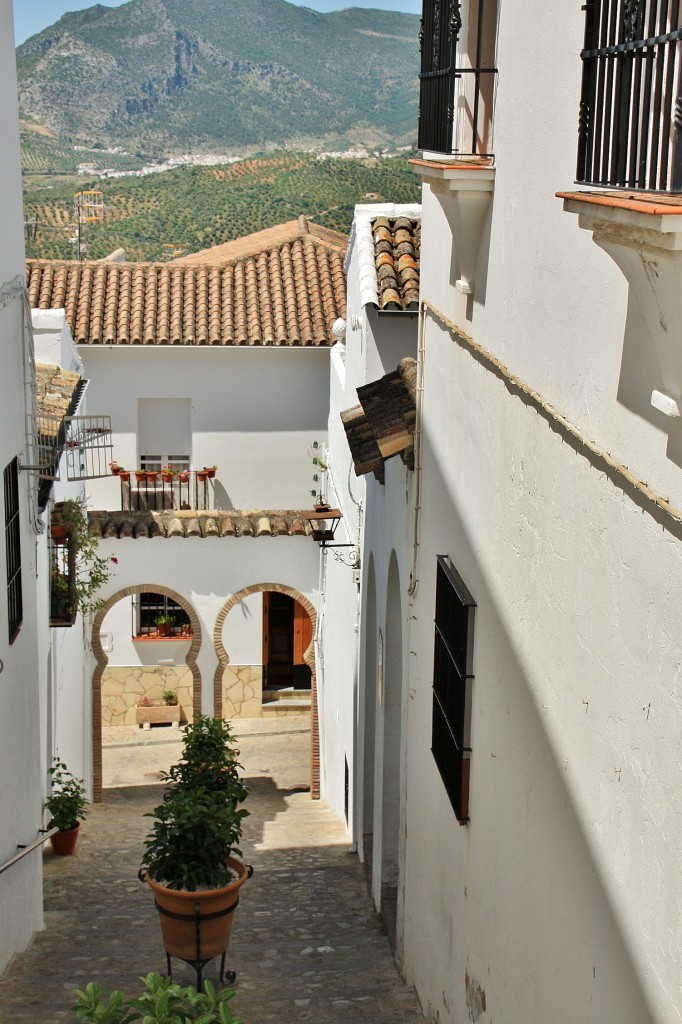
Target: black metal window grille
[(15, 605), (451, 85), (452, 683), (150, 606), (631, 105), (63, 597)]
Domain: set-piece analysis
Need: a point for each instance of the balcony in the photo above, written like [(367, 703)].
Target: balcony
[(457, 78), (158, 492), (631, 100)]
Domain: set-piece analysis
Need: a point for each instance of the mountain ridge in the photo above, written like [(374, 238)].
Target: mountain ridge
[(165, 76)]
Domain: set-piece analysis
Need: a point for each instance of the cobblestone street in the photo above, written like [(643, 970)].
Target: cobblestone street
[(306, 945)]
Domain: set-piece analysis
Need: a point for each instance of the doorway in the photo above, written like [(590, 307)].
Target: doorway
[(287, 635)]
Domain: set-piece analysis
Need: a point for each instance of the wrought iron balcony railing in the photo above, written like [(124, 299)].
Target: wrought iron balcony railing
[(156, 492), (457, 82), (631, 103)]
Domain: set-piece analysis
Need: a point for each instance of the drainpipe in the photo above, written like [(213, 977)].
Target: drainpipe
[(418, 427)]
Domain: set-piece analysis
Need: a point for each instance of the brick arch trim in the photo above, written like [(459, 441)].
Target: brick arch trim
[(308, 657), (103, 661)]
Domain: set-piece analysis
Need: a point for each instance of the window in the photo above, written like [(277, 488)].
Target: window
[(452, 683), (629, 123), (151, 607), (15, 606), (164, 433), (457, 78)]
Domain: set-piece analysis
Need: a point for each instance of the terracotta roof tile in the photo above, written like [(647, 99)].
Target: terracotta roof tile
[(253, 523), (397, 248), (262, 241), (383, 424), (289, 294)]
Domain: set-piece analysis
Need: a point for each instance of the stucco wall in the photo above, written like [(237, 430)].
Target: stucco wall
[(22, 758), (254, 412), (561, 898)]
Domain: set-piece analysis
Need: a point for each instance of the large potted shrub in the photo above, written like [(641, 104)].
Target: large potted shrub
[(192, 860), (66, 806)]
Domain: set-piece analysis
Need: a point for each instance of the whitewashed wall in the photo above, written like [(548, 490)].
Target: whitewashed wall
[(21, 756), (254, 412), (560, 900), (207, 572), (375, 519)]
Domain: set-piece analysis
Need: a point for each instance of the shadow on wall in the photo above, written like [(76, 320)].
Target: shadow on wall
[(532, 894)]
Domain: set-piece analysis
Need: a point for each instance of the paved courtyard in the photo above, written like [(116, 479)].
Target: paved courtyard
[(306, 944)]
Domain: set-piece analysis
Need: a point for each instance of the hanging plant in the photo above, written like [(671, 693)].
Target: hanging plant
[(85, 570)]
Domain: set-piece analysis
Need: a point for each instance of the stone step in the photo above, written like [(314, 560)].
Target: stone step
[(276, 708), (286, 693)]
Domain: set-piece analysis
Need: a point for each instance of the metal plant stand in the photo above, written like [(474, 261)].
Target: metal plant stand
[(199, 962)]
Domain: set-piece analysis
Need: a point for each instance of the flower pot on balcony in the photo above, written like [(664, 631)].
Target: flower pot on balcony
[(140, 475), (59, 531), (210, 472), (152, 475), (124, 475), (202, 475)]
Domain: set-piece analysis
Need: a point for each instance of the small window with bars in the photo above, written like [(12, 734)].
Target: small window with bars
[(452, 685), (157, 615), (15, 604)]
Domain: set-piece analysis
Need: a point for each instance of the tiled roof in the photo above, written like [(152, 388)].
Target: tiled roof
[(383, 424), (56, 391), (389, 248), (252, 523), (262, 241), (288, 295)]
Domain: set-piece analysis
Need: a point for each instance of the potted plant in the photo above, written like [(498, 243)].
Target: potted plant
[(164, 624), (115, 468), (183, 476), (161, 1002), (140, 475), (192, 861), (66, 806), (166, 711), (210, 471), (167, 472), (124, 475), (75, 565)]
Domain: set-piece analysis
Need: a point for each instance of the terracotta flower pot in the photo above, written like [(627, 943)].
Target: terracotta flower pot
[(152, 475), (202, 475), (140, 475), (58, 531), (124, 475), (64, 842), (210, 473), (211, 910)]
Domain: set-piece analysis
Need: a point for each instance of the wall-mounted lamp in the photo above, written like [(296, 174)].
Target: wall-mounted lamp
[(324, 520)]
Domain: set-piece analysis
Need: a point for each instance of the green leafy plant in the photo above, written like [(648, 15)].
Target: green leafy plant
[(199, 824), (164, 620), (194, 832), (90, 570), (170, 698), (209, 760), (66, 803), (315, 453), (162, 1002)]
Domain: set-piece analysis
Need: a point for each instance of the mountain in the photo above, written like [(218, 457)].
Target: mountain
[(169, 76)]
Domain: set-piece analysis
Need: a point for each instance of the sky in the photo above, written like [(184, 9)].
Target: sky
[(31, 16)]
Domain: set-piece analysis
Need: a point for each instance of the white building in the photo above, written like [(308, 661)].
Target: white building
[(538, 717), (21, 753), (217, 361)]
